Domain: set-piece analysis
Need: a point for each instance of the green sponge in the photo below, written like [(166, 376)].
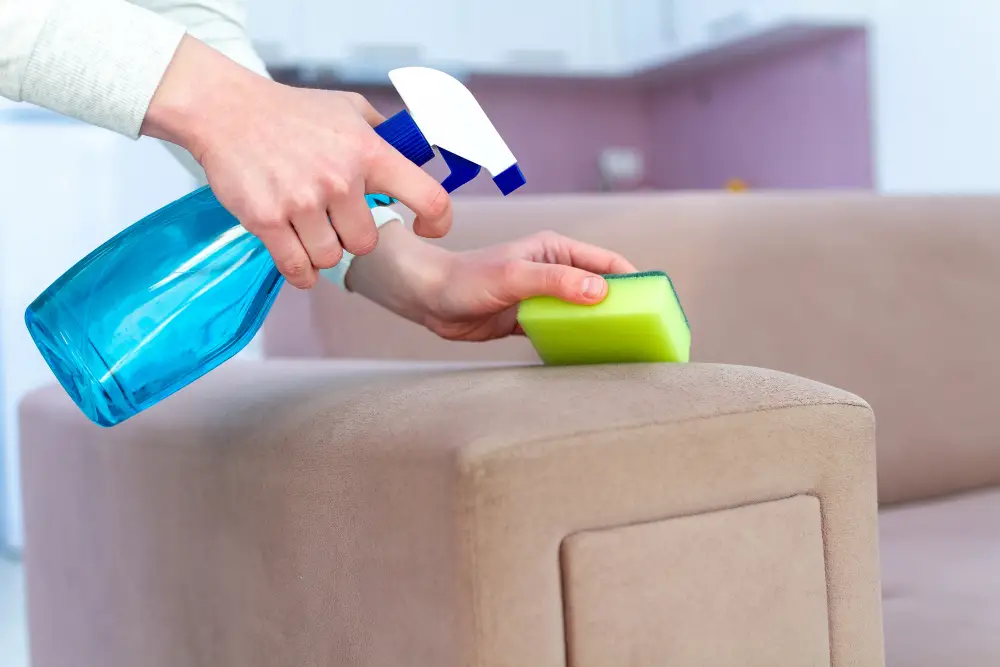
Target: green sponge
[(641, 320)]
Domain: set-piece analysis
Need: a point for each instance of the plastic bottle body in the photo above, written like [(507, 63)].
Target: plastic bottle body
[(153, 309), (184, 289)]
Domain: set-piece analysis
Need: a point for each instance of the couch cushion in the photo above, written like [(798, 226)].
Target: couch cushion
[(941, 582)]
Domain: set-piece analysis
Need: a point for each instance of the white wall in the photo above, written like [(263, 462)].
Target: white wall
[(65, 188), (936, 80)]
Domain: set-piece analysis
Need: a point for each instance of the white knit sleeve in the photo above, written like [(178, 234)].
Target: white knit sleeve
[(221, 24), (96, 60)]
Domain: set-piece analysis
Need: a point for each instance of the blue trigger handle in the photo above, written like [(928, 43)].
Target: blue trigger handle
[(402, 133)]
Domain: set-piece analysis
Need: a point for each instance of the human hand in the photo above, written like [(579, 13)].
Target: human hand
[(287, 161), (473, 296)]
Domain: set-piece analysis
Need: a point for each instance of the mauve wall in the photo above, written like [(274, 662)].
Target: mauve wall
[(798, 119), (555, 128), (801, 119)]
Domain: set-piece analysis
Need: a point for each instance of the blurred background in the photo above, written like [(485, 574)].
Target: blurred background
[(897, 96)]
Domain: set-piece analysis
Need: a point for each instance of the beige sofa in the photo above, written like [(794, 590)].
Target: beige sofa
[(354, 501)]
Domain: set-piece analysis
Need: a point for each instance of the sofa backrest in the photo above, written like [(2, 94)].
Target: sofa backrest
[(892, 298)]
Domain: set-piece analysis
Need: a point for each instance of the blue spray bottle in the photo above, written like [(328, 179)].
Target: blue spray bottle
[(187, 287)]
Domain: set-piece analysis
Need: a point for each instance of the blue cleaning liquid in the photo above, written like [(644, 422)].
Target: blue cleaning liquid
[(156, 307), (178, 293)]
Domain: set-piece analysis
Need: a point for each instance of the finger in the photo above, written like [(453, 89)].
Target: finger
[(519, 280), (289, 256), (364, 107), (393, 174), (596, 259), (353, 220), (319, 239), (584, 256)]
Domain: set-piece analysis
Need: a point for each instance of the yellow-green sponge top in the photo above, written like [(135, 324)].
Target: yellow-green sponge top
[(640, 320)]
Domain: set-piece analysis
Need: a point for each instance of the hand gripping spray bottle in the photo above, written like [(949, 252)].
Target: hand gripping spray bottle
[(187, 287)]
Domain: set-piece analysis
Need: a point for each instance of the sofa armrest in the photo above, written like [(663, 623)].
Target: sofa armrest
[(283, 513)]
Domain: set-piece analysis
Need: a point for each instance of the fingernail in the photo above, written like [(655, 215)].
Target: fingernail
[(592, 287)]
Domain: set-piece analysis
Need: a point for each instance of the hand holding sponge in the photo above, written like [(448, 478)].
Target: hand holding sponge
[(640, 320)]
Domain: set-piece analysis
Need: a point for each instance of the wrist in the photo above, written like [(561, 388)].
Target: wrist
[(200, 90), (403, 274)]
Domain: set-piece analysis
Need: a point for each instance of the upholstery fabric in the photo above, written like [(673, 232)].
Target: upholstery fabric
[(941, 581), (297, 513), (887, 297), (662, 593)]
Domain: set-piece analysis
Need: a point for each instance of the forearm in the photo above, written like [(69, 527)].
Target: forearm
[(96, 60)]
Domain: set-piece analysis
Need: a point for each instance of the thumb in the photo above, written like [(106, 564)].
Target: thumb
[(523, 279)]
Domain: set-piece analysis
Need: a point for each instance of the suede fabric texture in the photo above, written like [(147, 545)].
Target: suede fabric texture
[(321, 513), (886, 297), (655, 593)]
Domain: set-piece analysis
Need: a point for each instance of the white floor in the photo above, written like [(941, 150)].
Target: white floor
[(13, 629)]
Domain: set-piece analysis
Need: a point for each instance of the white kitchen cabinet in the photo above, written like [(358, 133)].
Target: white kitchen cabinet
[(531, 36), (647, 32), (654, 32), (596, 45), (821, 11), (276, 28), (535, 36), (519, 35), (702, 24), (371, 36)]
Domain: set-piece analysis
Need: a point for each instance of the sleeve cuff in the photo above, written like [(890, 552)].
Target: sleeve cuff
[(337, 275), (100, 61), (20, 25)]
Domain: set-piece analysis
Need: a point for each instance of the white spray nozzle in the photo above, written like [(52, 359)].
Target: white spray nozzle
[(443, 113)]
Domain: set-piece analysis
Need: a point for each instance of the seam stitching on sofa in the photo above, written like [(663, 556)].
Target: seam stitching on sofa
[(809, 493)]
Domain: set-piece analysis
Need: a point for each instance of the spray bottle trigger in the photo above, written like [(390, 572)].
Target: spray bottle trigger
[(402, 132), (462, 170)]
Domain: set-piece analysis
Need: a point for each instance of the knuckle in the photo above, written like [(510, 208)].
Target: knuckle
[(328, 256), (364, 244), (353, 98), (548, 236), (336, 185), (371, 149), (509, 271), (308, 281), (263, 217), (555, 278), (359, 241), (296, 267), (438, 201), (303, 200)]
